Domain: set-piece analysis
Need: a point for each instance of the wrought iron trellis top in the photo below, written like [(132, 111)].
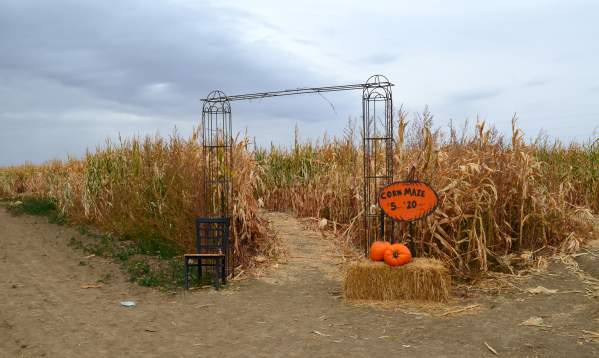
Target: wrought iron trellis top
[(215, 96), (374, 82), (216, 102), (379, 81), (377, 85)]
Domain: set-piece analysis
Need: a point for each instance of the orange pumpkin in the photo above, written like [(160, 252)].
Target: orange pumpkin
[(397, 255), (377, 250)]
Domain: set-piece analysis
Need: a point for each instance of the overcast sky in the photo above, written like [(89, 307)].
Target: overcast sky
[(75, 72)]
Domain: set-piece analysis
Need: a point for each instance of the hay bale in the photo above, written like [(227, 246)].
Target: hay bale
[(422, 279)]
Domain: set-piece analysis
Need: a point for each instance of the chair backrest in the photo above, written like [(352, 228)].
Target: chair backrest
[(212, 235)]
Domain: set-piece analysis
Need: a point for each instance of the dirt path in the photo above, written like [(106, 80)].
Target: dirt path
[(294, 311), (308, 252)]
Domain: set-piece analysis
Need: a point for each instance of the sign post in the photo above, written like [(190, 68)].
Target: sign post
[(408, 201)]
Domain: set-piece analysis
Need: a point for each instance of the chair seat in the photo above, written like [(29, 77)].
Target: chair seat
[(204, 255)]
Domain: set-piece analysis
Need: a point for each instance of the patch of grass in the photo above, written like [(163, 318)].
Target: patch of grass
[(82, 230), (57, 218), (38, 207), (154, 244), (74, 243), (148, 260), (167, 274), (124, 253), (34, 206), (106, 278), (140, 272)]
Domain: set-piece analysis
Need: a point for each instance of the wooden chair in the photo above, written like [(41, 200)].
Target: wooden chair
[(212, 248)]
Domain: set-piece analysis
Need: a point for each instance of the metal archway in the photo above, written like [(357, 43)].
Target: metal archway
[(377, 146)]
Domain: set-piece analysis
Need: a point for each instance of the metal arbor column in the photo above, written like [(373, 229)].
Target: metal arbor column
[(217, 142), (377, 135)]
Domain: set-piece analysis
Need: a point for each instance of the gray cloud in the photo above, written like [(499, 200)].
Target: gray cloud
[(142, 53), (73, 72), (536, 82), (381, 58), (475, 94)]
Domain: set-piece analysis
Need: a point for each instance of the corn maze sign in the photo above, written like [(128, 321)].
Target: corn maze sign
[(408, 200)]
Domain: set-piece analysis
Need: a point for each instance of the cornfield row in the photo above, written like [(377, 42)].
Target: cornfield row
[(501, 202), (145, 187)]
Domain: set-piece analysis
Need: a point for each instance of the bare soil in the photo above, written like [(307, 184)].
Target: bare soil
[(293, 310)]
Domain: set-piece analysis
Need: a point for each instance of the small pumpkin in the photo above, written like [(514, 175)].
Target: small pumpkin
[(377, 250), (397, 255)]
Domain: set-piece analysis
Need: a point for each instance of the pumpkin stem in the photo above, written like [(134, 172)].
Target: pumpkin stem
[(395, 254)]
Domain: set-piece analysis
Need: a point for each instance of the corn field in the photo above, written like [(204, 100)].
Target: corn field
[(503, 202), (150, 186)]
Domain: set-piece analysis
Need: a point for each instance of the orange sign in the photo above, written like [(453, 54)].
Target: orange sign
[(408, 201)]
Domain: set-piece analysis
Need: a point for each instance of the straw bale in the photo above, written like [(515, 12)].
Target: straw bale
[(422, 279)]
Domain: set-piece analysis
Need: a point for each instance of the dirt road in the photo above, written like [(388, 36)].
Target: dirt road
[(294, 311)]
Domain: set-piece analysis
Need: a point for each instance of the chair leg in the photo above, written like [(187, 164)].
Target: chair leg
[(186, 265), (200, 270), (217, 278), (222, 271)]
